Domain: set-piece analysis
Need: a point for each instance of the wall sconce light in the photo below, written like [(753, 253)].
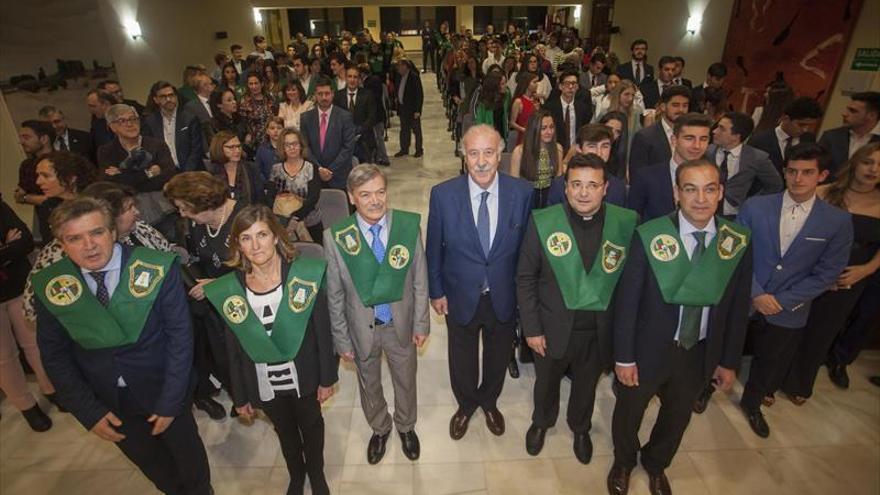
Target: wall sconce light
[(694, 23), (133, 29), (258, 18)]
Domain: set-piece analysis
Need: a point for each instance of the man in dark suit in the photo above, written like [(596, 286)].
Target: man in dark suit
[(179, 129), (653, 88), (66, 138), (571, 108), (592, 139), (797, 124), (802, 245), (428, 47), (651, 191), (359, 102), (475, 226), (114, 347), (200, 107), (409, 107), (330, 133), (714, 79), (860, 127), (677, 79), (113, 87), (637, 69), (98, 102), (564, 300), (677, 323), (652, 144), (595, 74)]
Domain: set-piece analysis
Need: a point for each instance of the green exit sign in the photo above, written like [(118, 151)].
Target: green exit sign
[(867, 59)]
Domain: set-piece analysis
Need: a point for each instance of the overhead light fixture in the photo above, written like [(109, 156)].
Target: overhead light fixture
[(258, 18), (694, 23), (133, 29)]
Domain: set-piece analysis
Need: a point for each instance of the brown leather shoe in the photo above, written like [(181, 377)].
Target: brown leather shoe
[(797, 399), (618, 480), (458, 425), (658, 484), (494, 421), (768, 400)]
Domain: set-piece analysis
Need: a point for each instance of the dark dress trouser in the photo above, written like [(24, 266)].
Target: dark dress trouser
[(864, 321), (410, 125), (300, 429), (773, 349)]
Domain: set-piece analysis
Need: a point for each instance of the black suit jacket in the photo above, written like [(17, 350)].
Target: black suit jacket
[(413, 96), (80, 142), (157, 368), (583, 113), (542, 309), (188, 139), (650, 92), (363, 114), (650, 191), (649, 146), (836, 141), (112, 154), (766, 141), (625, 71), (644, 323), (698, 97)]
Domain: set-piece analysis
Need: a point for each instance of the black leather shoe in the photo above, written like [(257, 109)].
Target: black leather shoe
[(214, 409), (494, 421), (837, 374), (410, 443), (376, 448), (513, 368), (418, 154), (384, 163), (618, 480), (757, 422), (37, 419), (401, 153), (458, 425), (702, 401), (583, 447), (53, 399), (535, 439), (658, 484)]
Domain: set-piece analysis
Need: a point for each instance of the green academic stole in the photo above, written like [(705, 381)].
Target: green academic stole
[(378, 283), (291, 320), (680, 281), (581, 290), (62, 289)]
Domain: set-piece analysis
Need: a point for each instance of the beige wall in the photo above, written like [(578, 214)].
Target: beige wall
[(865, 35), (663, 24), (11, 156)]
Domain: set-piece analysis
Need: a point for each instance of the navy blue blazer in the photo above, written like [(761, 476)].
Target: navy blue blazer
[(812, 263), (189, 144), (650, 192), (615, 195), (644, 324), (649, 146), (338, 145), (157, 368), (457, 266), (836, 141)]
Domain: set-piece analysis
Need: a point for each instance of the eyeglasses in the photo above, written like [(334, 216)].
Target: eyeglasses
[(127, 121), (570, 83), (292, 145), (589, 186), (169, 96)]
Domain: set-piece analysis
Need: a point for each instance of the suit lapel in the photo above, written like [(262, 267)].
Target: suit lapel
[(466, 213), (773, 219), (505, 210)]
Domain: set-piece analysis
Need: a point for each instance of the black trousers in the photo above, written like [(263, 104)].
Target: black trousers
[(865, 320), (410, 125), (428, 55), (464, 360), (773, 349), (209, 348), (677, 385), (175, 461), (300, 429), (582, 359)]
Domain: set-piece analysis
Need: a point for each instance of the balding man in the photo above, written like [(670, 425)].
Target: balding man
[(472, 256)]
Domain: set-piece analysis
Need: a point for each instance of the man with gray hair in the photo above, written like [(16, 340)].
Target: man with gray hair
[(66, 138), (377, 289), (472, 256)]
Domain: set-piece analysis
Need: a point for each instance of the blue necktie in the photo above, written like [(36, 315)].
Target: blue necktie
[(101, 291), (483, 231), (383, 311)]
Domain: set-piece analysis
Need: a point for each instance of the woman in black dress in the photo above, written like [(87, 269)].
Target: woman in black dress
[(857, 190)]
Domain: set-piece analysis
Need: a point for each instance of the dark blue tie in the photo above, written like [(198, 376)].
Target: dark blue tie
[(101, 292), (382, 311), (483, 223)]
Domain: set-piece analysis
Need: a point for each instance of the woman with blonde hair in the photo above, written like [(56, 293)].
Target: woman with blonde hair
[(626, 99), (278, 339)]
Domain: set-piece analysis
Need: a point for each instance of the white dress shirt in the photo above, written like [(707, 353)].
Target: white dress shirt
[(732, 169), (686, 230), (781, 137), (794, 216), (204, 102), (365, 229), (636, 74), (474, 191), (62, 137), (673, 166), (857, 142), (573, 123), (169, 125), (668, 129)]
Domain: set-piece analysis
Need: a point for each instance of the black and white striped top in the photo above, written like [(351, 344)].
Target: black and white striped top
[(273, 378)]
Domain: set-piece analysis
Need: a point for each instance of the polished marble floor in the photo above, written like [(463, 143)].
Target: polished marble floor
[(831, 445)]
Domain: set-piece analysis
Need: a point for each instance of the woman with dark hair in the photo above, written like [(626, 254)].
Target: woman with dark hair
[(279, 344), (60, 175), (776, 97), (493, 106), (296, 185), (256, 108), (269, 153), (714, 103), (272, 79), (856, 190), (509, 66), (242, 178), (539, 158), (617, 121), (224, 109), (294, 105), (229, 80), (524, 103)]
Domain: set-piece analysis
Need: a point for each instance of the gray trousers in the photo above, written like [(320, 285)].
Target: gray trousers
[(402, 363)]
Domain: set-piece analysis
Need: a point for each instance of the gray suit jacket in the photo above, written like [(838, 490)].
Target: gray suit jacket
[(352, 322), (756, 175), (584, 80)]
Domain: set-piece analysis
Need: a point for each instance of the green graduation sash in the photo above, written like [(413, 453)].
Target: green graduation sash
[(289, 328), (680, 281), (62, 289), (378, 283), (581, 290)]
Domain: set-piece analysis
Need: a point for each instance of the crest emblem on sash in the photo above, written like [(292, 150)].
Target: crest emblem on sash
[(144, 277), (63, 290), (235, 309), (664, 247), (349, 240), (730, 242), (398, 256), (612, 256), (559, 244), (300, 294)]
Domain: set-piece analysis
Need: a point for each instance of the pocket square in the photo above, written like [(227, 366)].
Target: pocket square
[(184, 128), (817, 239)]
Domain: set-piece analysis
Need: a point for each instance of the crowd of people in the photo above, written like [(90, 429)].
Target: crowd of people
[(619, 220)]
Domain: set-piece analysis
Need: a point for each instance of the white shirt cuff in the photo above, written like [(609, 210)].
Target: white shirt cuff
[(625, 365)]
